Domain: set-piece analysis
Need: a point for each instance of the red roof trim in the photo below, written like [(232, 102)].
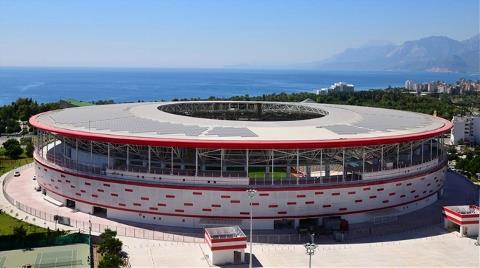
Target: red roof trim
[(240, 144)]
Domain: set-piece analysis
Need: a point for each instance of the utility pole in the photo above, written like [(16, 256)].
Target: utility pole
[(251, 194), (310, 247)]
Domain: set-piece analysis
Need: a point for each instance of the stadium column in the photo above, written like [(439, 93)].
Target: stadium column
[(91, 154), (128, 157), (381, 158), (411, 153), (196, 162), (321, 160), (247, 158), (422, 151), (64, 152), (171, 161), (431, 149), (221, 162), (363, 161), (54, 149), (108, 154), (398, 155), (149, 159), (41, 143), (298, 164), (343, 164), (76, 153), (273, 155)]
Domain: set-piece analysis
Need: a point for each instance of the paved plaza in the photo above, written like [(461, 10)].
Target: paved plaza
[(398, 244), (446, 250)]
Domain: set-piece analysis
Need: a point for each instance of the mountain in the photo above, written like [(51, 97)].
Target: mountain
[(435, 53)]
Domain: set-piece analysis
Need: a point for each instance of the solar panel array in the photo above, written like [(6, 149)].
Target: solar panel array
[(231, 132), (346, 129), (118, 118)]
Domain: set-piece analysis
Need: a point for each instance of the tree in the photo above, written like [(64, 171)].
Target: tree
[(111, 249), (12, 148), (28, 143), (20, 233), (110, 261)]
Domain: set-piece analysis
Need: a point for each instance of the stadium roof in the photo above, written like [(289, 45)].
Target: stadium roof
[(153, 124)]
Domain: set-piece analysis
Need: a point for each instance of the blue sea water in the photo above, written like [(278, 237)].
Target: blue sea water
[(122, 85)]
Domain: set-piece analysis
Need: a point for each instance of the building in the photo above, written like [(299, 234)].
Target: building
[(341, 87), (465, 218), (337, 88), (189, 164), (226, 245), (466, 129), (409, 84)]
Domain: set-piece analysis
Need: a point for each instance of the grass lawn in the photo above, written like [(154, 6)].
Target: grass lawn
[(277, 175), (7, 223), (9, 164)]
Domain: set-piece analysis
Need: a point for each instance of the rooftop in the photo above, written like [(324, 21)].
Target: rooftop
[(225, 232), (240, 122)]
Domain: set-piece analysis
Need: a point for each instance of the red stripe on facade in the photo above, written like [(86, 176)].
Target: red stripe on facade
[(223, 217), (228, 247)]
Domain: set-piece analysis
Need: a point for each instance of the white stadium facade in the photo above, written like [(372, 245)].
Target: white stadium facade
[(189, 164)]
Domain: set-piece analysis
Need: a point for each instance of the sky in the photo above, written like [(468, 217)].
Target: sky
[(214, 34)]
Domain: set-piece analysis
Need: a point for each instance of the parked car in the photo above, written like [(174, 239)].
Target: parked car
[(16, 174), (34, 177)]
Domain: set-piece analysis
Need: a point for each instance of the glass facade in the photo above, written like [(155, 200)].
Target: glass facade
[(260, 167)]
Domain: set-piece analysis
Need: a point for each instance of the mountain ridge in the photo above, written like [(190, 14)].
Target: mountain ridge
[(433, 53)]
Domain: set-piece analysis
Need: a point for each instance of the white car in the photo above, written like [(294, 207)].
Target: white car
[(16, 174), (34, 177)]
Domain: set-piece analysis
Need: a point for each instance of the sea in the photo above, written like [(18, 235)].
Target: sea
[(138, 84)]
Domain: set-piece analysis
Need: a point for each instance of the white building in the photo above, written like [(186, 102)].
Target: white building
[(409, 84), (226, 245), (340, 87), (466, 129), (465, 218)]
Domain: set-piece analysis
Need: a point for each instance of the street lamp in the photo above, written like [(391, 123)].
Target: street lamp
[(310, 247), (251, 194)]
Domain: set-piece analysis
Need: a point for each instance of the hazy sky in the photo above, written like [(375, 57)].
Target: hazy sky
[(201, 33)]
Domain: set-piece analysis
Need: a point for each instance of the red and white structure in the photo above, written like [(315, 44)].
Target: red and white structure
[(190, 163), (465, 217), (226, 245)]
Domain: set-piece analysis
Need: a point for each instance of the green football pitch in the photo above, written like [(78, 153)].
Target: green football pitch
[(75, 255)]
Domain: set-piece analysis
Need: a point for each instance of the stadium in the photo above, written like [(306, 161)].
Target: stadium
[(190, 164)]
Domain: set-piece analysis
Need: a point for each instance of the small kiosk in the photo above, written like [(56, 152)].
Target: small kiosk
[(466, 217), (226, 245)]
